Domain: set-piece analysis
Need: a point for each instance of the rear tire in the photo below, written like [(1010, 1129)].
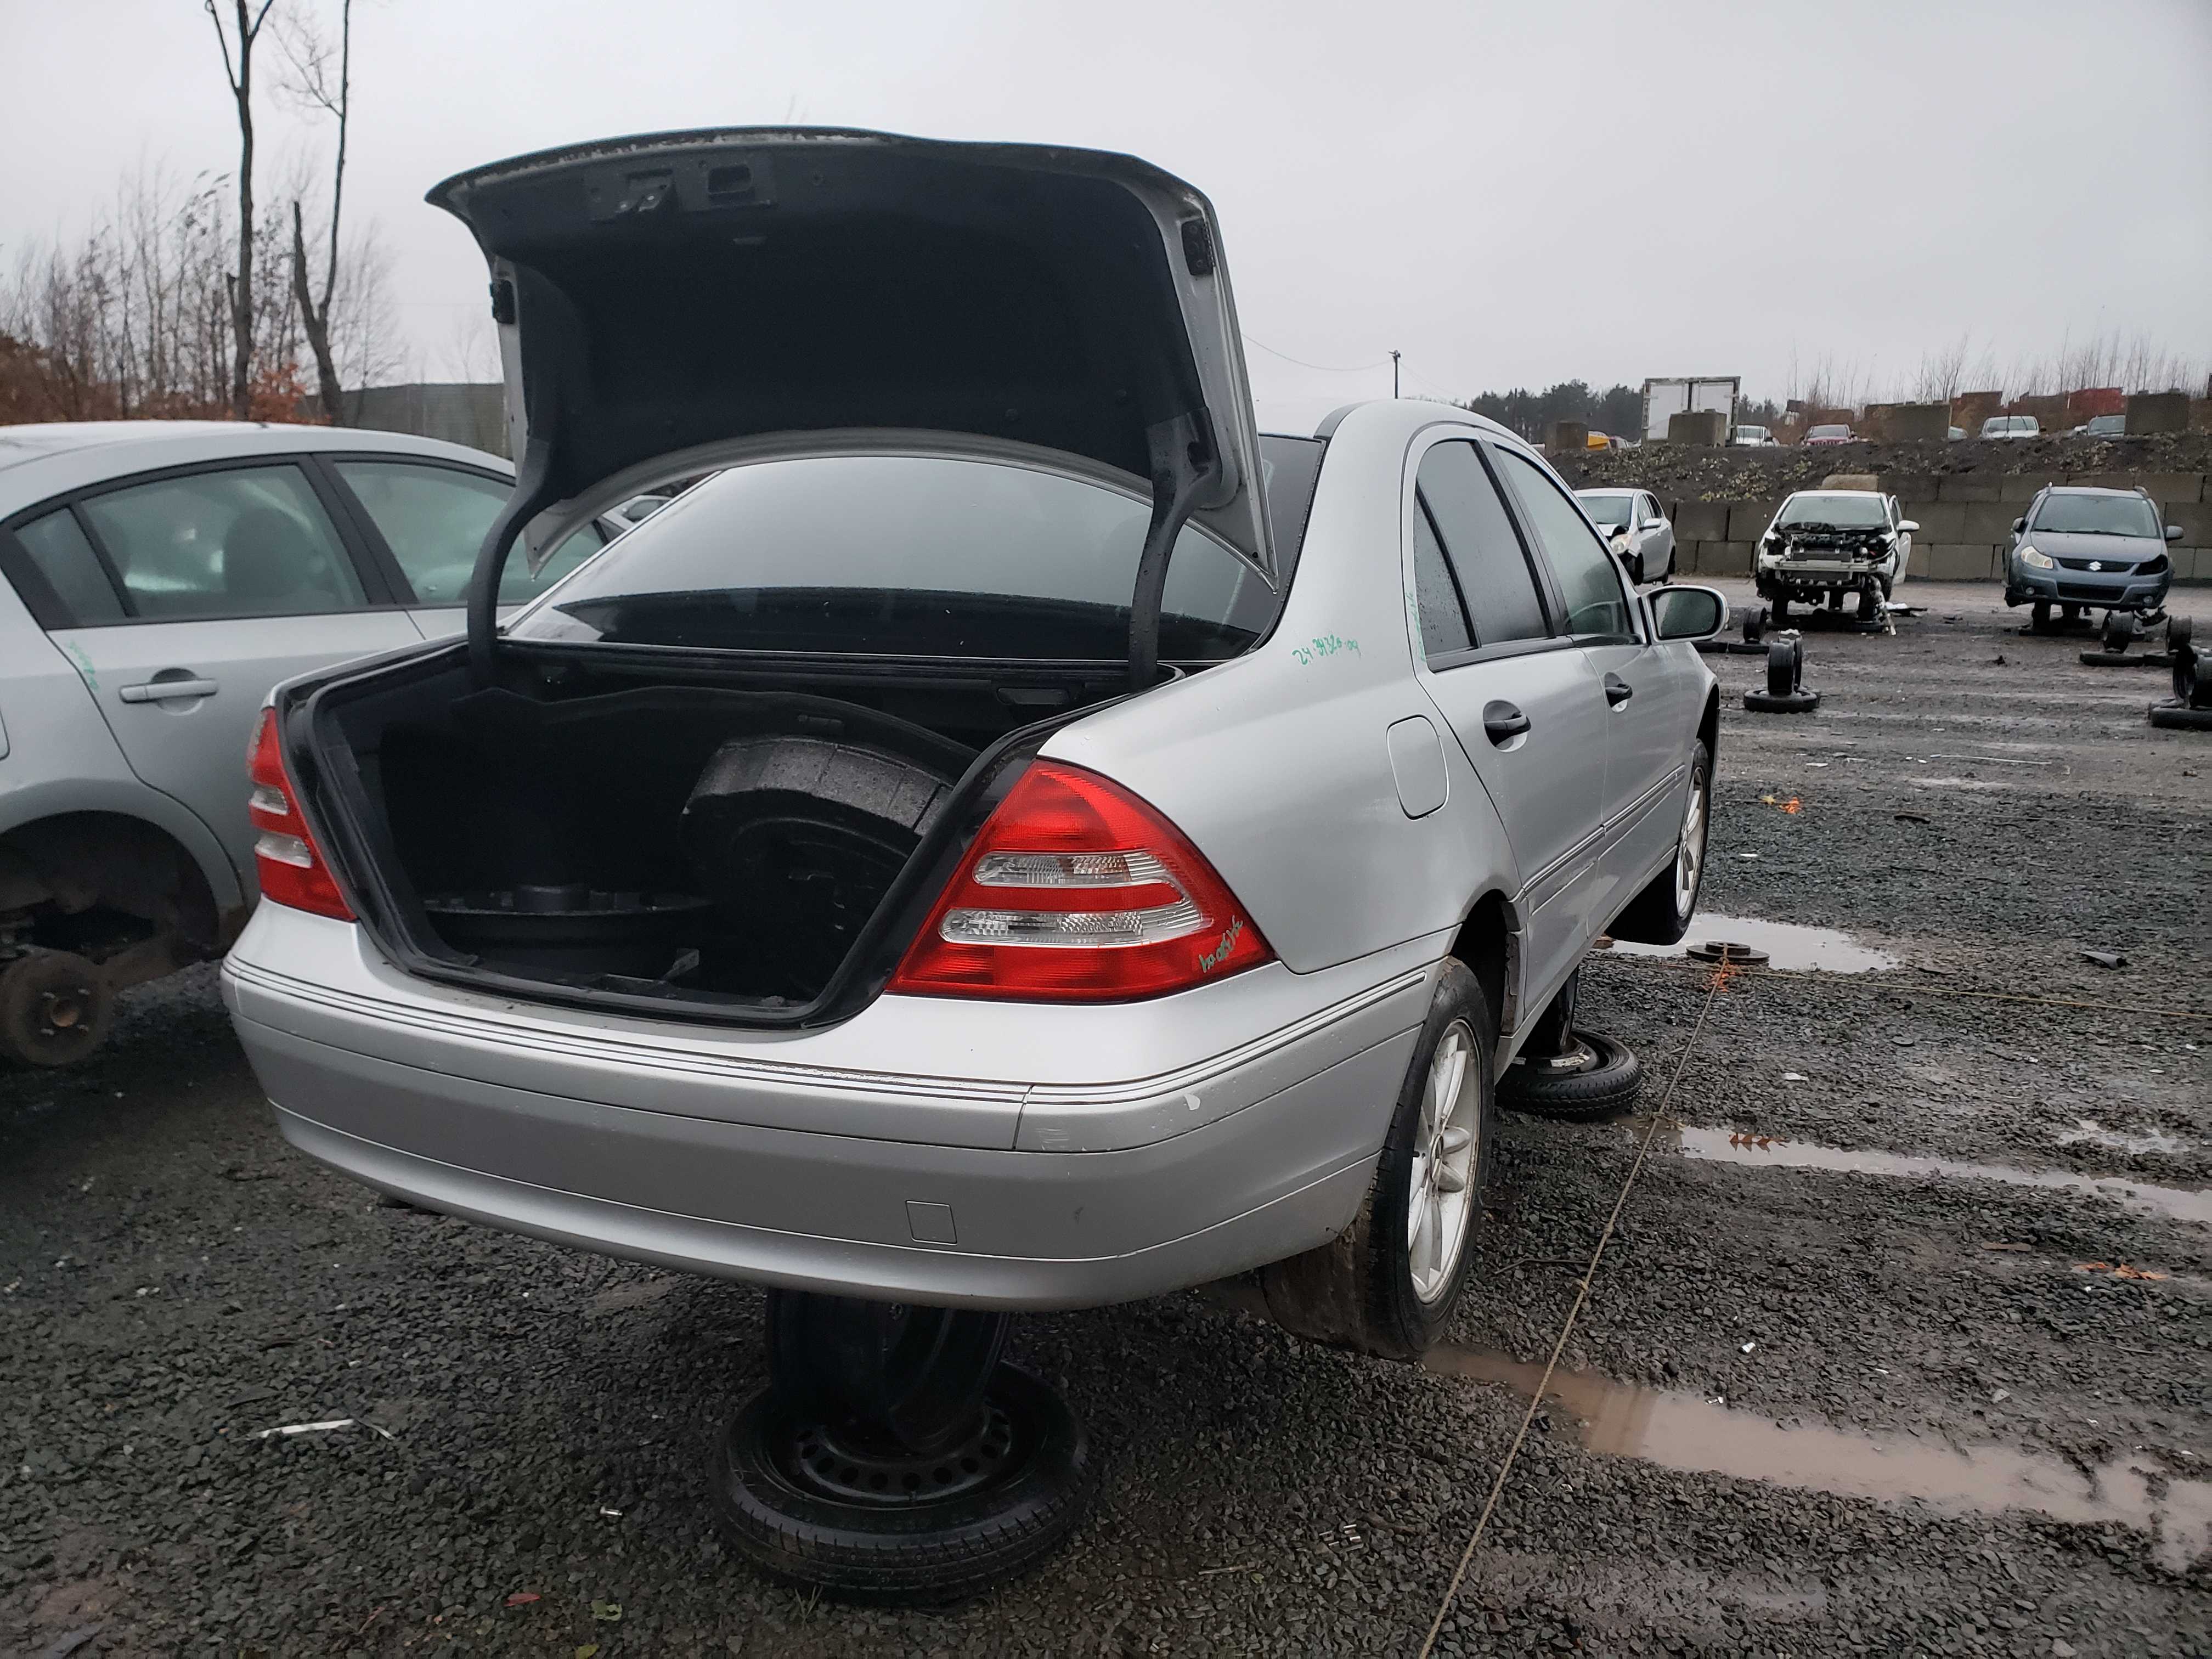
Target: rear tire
[(1379, 1288)]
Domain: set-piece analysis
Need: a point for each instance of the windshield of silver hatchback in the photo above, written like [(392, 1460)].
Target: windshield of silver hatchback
[(2096, 515), (903, 555)]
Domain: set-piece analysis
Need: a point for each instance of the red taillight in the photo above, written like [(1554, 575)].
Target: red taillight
[(1078, 891), (291, 866)]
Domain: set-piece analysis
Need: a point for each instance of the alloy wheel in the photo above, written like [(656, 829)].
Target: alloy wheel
[(1690, 856), (1440, 1196)]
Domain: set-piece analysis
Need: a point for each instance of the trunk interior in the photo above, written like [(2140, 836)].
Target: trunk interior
[(716, 845)]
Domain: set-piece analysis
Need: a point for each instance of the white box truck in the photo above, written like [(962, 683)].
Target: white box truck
[(1665, 398)]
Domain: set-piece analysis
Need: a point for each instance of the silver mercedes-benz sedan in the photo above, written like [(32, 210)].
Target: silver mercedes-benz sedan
[(1015, 837)]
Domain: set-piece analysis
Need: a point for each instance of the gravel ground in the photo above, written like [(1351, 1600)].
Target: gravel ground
[(173, 1279)]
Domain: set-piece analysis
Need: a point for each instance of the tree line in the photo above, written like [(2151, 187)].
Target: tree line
[(201, 296), (1619, 410)]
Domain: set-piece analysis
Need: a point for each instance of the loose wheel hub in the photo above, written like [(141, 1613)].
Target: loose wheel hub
[(847, 1462), (54, 1008), (1727, 951)]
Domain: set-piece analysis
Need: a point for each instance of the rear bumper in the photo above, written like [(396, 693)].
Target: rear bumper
[(1288, 1128)]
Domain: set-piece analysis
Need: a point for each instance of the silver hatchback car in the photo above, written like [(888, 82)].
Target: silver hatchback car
[(156, 578), (1017, 837)]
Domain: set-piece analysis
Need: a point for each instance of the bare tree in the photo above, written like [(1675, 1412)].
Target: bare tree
[(238, 71), (315, 82)]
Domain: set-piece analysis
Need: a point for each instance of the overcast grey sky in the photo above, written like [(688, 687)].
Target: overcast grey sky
[(1508, 194)]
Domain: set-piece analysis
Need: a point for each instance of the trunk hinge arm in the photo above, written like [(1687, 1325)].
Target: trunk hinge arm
[(1185, 465), (534, 493)]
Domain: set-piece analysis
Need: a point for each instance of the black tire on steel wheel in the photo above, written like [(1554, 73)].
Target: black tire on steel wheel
[(1375, 1288), (2179, 631), (2192, 687), (1606, 1084), (55, 1009), (2119, 631), (794, 1525), (1793, 703), (1662, 913), (1785, 667), (2178, 717), (1754, 624)]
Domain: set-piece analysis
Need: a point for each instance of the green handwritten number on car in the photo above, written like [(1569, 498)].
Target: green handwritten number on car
[(1323, 645)]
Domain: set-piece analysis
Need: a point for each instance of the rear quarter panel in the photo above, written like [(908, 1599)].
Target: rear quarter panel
[(1276, 765)]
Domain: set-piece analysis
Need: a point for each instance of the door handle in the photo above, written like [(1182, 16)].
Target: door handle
[(1502, 722), (157, 690), (1617, 691)]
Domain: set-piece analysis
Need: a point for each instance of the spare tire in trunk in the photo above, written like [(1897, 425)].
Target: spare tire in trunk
[(797, 839)]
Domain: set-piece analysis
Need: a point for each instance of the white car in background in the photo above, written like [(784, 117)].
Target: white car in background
[(1826, 544)]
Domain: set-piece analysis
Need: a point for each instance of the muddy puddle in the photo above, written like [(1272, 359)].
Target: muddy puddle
[(1735, 1146), (1696, 1435), (2090, 1133), (1788, 946)]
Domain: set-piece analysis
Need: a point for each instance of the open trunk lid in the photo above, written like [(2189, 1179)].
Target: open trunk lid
[(665, 301)]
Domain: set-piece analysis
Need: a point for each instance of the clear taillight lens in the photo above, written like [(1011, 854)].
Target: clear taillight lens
[(1078, 891), (290, 866)]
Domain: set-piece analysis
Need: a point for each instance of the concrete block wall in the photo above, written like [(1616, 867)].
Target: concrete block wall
[(1964, 519)]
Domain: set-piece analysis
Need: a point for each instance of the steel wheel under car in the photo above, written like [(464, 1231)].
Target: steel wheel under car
[(1440, 1195)]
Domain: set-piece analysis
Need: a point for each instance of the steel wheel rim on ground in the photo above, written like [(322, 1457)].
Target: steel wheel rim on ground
[(1440, 1194)]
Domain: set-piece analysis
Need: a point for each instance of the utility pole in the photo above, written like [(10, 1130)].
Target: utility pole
[(1394, 374)]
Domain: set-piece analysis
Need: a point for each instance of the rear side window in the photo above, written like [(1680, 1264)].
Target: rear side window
[(62, 554), (1479, 540), (253, 542), (433, 520), (1589, 581), (1436, 597)]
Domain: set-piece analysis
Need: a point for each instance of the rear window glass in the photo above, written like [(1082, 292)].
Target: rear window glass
[(902, 555)]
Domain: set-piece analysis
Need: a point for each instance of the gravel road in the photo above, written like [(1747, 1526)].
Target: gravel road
[(1804, 1410)]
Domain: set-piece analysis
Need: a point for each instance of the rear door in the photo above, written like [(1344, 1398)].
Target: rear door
[(427, 520), (201, 589), (1653, 693), (1513, 687)]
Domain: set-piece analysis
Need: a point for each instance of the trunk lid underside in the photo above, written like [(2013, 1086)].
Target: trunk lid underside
[(670, 294)]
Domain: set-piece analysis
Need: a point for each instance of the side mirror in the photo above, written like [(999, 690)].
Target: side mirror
[(2174, 532), (2019, 524), (1687, 613), (1906, 527)]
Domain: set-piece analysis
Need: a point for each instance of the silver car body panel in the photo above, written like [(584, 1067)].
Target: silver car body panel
[(1037, 1155), (86, 734)]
